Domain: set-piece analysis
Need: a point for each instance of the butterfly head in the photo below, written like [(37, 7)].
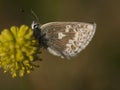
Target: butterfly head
[(36, 29), (35, 25)]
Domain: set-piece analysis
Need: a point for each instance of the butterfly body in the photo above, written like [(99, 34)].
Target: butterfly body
[(65, 39)]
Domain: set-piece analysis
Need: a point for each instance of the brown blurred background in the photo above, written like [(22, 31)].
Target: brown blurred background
[(95, 68)]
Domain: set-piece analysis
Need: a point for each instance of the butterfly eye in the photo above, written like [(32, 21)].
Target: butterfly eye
[(35, 26)]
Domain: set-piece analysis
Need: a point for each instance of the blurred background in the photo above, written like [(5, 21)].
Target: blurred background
[(95, 68)]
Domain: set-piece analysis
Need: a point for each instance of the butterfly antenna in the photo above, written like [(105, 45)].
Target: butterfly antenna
[(34, 15)]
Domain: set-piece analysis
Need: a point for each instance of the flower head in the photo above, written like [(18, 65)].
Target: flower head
[(18, 50)]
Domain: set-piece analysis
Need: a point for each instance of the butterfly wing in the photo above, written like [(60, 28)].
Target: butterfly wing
[(67, 39)]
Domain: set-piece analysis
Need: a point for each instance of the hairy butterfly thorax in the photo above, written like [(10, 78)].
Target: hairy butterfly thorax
[(39, 35)]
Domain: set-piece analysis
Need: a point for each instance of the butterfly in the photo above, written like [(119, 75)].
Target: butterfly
[(64, 39)]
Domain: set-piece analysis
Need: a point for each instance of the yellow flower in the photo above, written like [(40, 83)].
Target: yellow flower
[(18, 50)]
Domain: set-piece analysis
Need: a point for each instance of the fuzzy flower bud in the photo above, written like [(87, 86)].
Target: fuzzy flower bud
[(18, 50)]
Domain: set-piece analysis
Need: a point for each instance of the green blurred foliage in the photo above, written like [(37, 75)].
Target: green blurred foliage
[(95, 68)]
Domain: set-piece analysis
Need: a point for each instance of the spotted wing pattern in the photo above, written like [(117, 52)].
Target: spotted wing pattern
[(67, 39)]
